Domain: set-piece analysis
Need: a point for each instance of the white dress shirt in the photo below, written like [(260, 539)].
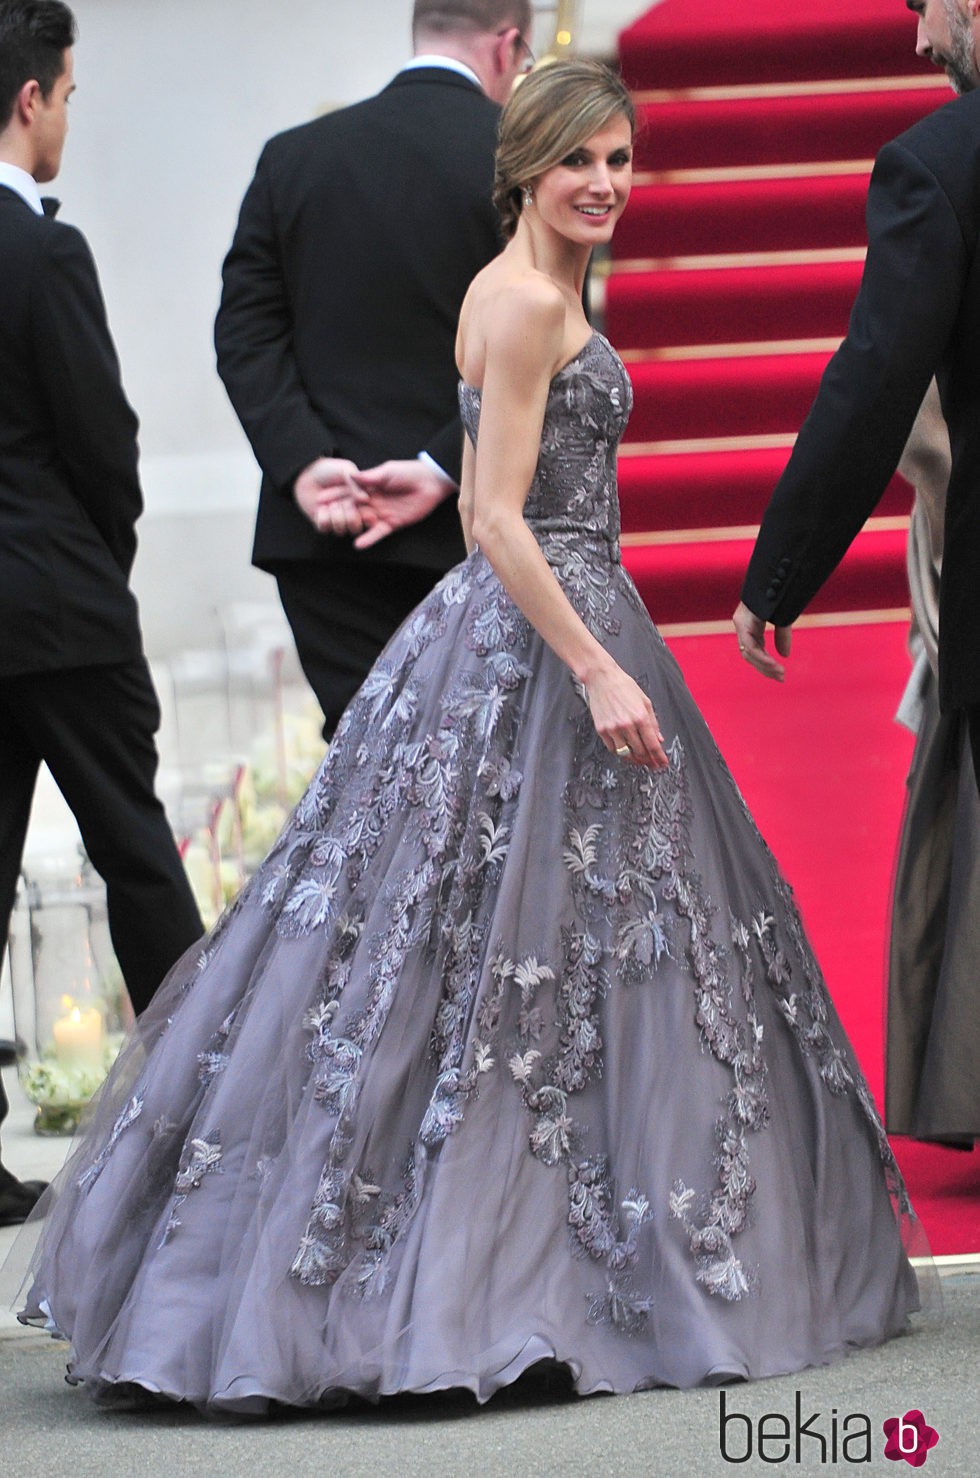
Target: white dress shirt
[(23, 184), (428, 59)]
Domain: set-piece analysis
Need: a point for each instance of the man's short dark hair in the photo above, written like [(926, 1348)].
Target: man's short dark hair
[(442, 17), (34, 36)]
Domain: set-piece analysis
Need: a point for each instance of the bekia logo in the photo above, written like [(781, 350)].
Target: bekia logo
[(909, 1437), (815, 1437)]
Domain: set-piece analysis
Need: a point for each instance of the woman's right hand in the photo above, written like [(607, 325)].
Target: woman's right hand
[(624, 719)]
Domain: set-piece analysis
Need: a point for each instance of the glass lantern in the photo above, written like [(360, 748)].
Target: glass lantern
[(70, 1003)]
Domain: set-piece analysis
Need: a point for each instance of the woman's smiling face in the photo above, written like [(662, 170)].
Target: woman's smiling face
[(583, 196)]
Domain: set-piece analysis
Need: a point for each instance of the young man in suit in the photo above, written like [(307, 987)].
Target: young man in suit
[(356, 241), (917, 314), (75, 690)]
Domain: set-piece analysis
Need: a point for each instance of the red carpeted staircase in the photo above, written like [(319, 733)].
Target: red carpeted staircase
[(733, 274), (734, 270)]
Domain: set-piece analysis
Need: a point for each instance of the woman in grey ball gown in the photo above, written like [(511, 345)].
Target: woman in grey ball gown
[(514, 1049)]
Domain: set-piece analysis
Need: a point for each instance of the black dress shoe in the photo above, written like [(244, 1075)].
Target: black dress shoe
[(18, 1198)]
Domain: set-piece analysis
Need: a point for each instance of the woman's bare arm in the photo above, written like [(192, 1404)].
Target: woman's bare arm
[(524, 348)]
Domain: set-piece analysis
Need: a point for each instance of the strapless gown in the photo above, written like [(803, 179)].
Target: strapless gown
[(509, 1052)]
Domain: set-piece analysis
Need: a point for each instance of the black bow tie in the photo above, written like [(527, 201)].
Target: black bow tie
[(49, 205)]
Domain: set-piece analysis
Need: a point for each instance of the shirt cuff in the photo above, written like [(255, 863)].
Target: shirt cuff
[(434, 465)]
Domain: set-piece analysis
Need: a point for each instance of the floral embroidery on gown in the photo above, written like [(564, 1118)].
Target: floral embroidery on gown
[(508, 1052)]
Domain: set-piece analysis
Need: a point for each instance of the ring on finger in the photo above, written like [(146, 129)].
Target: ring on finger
[(623, 751)]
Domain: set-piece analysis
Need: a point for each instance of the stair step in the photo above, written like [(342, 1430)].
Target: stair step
[(727, 305), (802, 128), (679, 44), (703, 490), (689, 219), (701, 582), (677, 400)]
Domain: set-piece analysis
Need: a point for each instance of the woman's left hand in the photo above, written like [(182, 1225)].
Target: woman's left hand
[(625, 720)]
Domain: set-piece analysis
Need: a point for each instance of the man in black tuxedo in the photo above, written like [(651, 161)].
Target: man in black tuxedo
[(355, 245), (917, 314), (75, 690)]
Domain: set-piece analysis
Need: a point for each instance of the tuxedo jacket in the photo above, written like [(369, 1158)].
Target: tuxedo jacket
[(69, 488), (917, 313), (356, 242)]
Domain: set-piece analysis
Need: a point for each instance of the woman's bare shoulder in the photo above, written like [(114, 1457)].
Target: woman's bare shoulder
[(529, 294), (515, 313)]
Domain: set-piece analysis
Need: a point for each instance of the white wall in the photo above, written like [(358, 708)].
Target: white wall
[(175, 99), (600, 22)]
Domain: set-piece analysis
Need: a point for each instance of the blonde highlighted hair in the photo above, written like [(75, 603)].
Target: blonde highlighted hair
[(551, 113)]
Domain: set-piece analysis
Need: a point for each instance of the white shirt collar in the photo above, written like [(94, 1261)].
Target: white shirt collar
[(22, 184), (449, 62)]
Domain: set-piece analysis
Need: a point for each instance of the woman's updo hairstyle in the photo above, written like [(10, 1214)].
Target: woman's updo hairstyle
[(551, 113)]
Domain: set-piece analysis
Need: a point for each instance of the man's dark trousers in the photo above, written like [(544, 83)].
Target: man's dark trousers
[(94, 727)]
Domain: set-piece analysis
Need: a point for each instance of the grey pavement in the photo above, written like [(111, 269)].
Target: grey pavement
[(48, 1428)]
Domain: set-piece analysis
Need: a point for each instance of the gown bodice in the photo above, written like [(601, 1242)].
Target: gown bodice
[(573, 493)]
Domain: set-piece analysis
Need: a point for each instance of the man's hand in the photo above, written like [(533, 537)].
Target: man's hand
[(330, 498), (398, 494), (751, 632)]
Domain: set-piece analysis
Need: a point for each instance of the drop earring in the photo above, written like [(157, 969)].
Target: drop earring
[(528, 194)]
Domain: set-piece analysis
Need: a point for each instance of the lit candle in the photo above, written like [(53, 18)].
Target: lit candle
[(78, 1034)]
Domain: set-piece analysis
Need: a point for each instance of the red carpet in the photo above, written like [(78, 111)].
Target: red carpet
[(732, 280), (692, 581), (693, 217), (736, 266), (690, 131), (822, 766), (707, 489), (688, 45), (725, 305), (678, 399)]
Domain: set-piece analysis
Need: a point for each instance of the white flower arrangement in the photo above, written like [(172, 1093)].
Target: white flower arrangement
[(61, 1089)]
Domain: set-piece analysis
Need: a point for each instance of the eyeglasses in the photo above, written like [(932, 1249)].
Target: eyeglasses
[(529, 57)]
